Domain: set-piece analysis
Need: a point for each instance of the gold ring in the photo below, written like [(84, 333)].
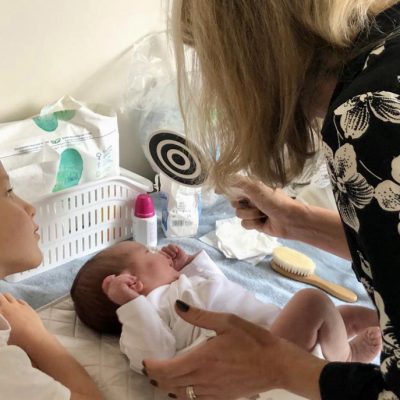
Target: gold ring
[(190, 394)]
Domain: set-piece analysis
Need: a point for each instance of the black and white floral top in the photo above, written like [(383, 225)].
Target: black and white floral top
[(361, 137)]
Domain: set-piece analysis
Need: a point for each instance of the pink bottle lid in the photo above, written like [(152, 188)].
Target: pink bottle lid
[(144, 207)]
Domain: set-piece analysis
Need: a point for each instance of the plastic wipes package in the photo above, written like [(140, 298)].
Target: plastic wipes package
[(181, 208), (66, 144)]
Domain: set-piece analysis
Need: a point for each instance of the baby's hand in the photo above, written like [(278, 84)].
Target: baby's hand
[(26, 325), (179, 257), (122, 288)]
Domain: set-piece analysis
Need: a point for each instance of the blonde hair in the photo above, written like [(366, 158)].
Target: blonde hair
[(247, 98)]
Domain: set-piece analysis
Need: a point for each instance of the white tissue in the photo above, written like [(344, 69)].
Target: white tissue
[(236, 242)]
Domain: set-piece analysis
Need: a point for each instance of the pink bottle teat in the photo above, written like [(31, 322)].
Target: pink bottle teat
[(144, 207)]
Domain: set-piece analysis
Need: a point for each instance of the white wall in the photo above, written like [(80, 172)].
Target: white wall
[(49, 48)]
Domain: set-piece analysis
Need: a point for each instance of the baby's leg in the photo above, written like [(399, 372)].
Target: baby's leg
[(356, 318), (311, 317)]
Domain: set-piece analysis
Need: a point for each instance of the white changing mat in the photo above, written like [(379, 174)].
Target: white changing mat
[(102, 358)]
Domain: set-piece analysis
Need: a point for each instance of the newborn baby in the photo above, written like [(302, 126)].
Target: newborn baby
[(129, 285)]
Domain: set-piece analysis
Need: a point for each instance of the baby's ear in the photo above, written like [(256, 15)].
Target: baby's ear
[(106, 283), (138, 286)]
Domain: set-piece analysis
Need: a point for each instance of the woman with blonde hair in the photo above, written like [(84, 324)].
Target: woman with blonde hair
[(271, 71)]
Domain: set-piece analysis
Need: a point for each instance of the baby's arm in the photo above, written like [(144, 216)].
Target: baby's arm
[(202, 265), (144, 333), (48, 355), (179, 257)]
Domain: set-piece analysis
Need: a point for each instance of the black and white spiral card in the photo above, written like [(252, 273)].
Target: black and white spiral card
[(171, 153)]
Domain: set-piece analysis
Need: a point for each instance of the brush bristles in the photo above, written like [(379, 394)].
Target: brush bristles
[(293, 261)]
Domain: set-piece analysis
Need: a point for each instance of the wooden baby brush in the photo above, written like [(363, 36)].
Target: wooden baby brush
[(298, 266)]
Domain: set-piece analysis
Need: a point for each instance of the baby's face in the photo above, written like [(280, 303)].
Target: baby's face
[(152, 269)]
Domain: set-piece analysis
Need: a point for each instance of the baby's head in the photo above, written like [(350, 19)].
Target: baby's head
[(93, 306)]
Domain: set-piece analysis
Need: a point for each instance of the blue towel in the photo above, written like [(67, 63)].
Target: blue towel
[(260, 279)]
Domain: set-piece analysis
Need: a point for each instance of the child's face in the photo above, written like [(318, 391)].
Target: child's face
[(18, 232), (152, 269)]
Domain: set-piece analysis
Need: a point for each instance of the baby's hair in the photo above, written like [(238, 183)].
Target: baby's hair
[(92, 305)]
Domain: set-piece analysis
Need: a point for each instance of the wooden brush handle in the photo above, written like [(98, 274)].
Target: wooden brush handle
[(335, 290)]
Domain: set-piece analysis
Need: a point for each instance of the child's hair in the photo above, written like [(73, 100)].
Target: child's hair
[(92, 305)]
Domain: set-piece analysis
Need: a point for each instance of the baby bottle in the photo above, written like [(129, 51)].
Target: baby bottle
[(145, 221)]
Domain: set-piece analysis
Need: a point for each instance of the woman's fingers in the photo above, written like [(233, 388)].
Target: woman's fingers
[(254, 190), (218, 322), (184, 364), (249, 213), (258, 195), (268, 210), (257, 224), (175, 368), (243, 359), (201, 392), (190, 369), (252, 217)]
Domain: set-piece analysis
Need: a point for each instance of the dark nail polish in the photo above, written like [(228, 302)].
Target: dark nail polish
[(182, 306), (144, 371), (173, 396), (154, 383)]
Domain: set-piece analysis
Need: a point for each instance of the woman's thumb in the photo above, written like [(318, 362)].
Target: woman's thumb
[(251, 189), (201, 318)]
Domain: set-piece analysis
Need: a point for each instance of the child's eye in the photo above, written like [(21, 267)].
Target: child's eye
[(10, 191)]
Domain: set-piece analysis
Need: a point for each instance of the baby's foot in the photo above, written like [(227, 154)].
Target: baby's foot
[(366, 345)]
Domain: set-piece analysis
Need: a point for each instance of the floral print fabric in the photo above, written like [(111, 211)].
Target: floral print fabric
[(361, 137)]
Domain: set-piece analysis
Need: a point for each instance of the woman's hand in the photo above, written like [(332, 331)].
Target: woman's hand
[(242, 360), (268, 210), (275, 213)]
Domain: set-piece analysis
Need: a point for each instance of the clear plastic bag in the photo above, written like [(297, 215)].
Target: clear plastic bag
[(151, 99)]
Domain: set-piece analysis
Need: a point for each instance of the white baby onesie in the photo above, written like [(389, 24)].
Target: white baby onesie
[(152, 329)]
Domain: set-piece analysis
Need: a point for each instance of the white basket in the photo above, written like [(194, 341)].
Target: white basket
[(84, 219)]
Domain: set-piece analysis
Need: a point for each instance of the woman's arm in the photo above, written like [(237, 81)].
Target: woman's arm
[(321, 228), (46, 353), (242, 360), (275, 213)]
